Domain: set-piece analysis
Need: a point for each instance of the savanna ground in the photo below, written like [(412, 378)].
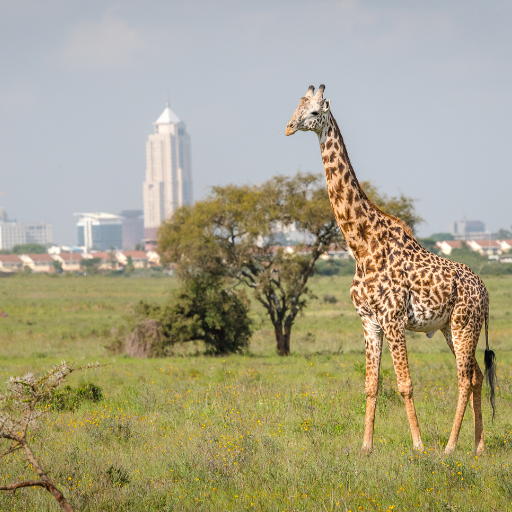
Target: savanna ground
[(252, 432)]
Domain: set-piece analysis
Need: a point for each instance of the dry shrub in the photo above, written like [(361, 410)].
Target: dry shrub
[(146, 339)]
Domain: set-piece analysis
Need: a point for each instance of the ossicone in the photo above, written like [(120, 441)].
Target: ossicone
[(320, 92), (310, 92)]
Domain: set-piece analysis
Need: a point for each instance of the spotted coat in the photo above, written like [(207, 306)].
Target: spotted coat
[(398, 285)]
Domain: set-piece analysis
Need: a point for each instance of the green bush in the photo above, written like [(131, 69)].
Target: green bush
[(203, 309), (345, 267), (29, 249), (69, 399)]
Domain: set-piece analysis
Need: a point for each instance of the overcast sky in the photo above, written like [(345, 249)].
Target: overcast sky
[(421, 91)]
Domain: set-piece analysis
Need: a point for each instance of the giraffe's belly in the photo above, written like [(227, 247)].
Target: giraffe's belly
[(424, 319)]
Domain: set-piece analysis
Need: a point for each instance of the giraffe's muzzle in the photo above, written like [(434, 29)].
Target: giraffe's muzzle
[(290, 129)]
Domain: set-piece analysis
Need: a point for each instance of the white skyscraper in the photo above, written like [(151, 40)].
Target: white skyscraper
[(168, 182)]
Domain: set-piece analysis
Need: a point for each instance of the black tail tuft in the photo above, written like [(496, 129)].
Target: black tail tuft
[(490, 376)]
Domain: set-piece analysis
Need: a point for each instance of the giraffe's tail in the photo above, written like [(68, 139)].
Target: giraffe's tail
[(490, 363)]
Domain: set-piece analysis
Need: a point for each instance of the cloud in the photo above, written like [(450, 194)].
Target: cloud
[(108, 44)]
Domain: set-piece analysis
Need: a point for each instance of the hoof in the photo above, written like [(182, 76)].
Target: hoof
[(479, 450), (449, 449), (366, 450), (419, 448)]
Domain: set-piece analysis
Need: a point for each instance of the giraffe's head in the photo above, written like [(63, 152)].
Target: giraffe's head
[(311, 114)]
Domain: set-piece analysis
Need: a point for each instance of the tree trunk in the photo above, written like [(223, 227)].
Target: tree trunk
[(283, 339)]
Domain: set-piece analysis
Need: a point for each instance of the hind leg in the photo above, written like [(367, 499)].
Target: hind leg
[(464, 374), (476, 405), (465, 330), (476, 395)]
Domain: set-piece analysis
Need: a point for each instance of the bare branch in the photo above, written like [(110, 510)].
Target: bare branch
[(28, 483), (10, 450)]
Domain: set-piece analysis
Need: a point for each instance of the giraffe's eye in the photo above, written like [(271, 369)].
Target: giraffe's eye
[(314, 113)]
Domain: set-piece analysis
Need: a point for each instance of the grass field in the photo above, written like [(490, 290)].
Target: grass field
[(253, 432)]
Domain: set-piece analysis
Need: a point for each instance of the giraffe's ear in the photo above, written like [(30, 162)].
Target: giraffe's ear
[(326, 105)]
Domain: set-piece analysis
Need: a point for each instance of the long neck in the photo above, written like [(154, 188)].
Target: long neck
[(352, 209)]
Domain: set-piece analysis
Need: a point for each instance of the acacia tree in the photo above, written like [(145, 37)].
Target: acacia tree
[(232, 235)]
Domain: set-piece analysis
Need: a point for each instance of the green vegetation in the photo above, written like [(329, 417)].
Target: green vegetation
[(439, 237), (29, 249), (345, 267), (202, 309), (91, 265), (504, 234), (255, 430), (231, 236), (69, 398)]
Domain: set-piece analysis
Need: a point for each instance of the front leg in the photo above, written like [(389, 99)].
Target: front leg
[(373, 343), (395, 336)]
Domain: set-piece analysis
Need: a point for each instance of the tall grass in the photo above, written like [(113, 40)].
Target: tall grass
[(254, 432)]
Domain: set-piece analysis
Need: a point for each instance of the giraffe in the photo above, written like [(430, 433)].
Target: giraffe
[(399, 286)]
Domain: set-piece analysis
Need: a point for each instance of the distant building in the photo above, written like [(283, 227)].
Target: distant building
[(506, 245), (288, 234), (18, 233), (168, 182), (70, 261), (107, 260), (38, 262), (139, 258), (488, 247), (99, 231), (153, 258), (468, 229), (10, 263), (446, 246), (133, 228), (58, 249)]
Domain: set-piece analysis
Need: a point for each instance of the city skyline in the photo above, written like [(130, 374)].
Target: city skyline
[(420, 91)]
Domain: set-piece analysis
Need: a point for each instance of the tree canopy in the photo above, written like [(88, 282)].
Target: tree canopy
[(29, 249), (236, 234)]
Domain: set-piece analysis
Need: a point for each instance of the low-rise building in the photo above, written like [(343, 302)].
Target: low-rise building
[(153, 258), (40, 263), (10, 263), (71, 262), (446, 246), (107, 260), (505, 245), (489, 247), (139, 258)]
